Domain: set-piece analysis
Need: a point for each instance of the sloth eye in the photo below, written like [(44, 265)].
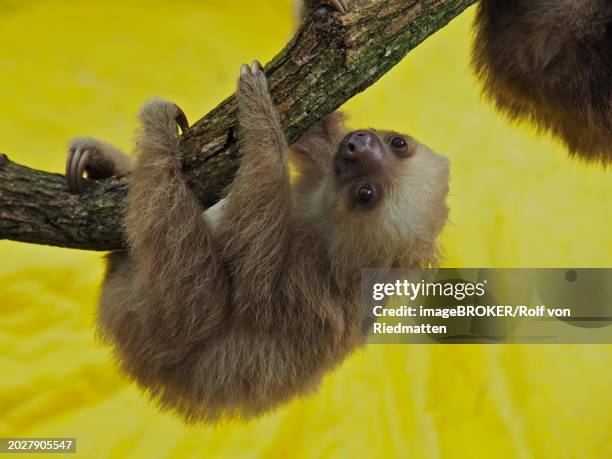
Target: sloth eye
[(399, 143), (365, 193)]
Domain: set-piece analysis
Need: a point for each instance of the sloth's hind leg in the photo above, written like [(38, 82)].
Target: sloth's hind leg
[(98, 159)]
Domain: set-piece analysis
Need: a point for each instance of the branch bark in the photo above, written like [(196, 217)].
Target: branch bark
[(327, 62)]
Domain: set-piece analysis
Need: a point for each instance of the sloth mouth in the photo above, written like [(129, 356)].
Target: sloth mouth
[(349, 168)]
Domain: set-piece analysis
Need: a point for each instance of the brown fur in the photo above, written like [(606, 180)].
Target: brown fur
[(550, 62), (235, 314), (237, 311)]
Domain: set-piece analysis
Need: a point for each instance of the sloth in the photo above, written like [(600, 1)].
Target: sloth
[(550, 62), (232, 311)]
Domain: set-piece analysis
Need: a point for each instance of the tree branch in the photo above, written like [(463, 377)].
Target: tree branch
[(325, 64)]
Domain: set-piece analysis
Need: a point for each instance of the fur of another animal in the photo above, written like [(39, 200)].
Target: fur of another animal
[(549, 62)]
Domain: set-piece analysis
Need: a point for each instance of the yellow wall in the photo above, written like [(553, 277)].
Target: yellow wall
[(84, 67)]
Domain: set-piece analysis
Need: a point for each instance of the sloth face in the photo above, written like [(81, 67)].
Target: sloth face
[(386, 193), (365, 164)]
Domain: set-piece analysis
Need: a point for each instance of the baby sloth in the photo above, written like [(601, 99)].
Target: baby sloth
[(233, 311)]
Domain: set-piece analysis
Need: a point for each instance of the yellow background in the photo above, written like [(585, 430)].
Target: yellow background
[(70, 68)]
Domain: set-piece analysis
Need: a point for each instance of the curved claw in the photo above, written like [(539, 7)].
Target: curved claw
[(75, 168), (256, 67), (83, 161), (181, 119), (245, 70)]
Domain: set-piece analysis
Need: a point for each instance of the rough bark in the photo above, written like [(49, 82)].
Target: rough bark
[(327, 62)]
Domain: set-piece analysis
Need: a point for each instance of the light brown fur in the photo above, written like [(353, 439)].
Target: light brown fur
[(235, 314), (237, 311)]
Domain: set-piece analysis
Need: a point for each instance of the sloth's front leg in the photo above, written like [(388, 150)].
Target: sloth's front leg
[(256, 221)]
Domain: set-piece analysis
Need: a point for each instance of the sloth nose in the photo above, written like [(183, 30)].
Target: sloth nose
[(361, 152), (358, 145)]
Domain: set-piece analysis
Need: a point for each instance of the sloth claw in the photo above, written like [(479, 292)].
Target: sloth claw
[(253, 83), (245, 70), (254, 69), (78, 160), (181, 119)]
